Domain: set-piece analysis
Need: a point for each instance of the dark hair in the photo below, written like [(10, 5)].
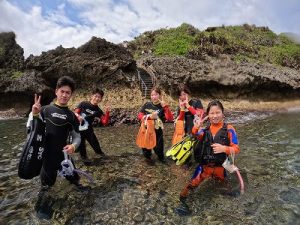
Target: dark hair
[(66, 81), (184, 88), (214, 103), (156, 89), (98, 91)]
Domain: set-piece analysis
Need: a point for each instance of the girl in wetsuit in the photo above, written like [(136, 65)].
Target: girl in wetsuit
[(217, 141), (158, 111), (188, 108)]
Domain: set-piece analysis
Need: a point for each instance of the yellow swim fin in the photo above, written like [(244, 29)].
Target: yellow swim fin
[(175, 148), (181, 151)]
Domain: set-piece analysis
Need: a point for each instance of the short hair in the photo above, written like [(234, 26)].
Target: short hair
[(182, 87), (98, 91), (66, 81), (214, 103)]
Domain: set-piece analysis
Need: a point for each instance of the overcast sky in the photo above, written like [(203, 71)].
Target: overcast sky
[(41, 25)]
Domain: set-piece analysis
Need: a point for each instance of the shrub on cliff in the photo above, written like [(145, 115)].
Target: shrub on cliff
[(243, 43)]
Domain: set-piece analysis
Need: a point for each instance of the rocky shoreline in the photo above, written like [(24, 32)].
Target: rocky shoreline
[(128, 114), (243, 86)]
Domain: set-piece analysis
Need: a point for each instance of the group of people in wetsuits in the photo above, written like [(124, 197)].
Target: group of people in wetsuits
[(216, 140)]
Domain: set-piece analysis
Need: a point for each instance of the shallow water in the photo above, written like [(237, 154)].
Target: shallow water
[(128, 191)]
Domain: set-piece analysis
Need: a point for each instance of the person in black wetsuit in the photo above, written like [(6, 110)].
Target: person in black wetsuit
[(90, 111), (188, 108), (61, 123), (159, 111)]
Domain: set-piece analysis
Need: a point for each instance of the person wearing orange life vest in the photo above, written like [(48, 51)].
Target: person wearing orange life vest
[(217, 141), (159, 111)]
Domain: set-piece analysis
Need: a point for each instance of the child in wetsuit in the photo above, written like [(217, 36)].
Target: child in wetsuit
[(188, 108), (158, 111), (217, 141), (92, 112)]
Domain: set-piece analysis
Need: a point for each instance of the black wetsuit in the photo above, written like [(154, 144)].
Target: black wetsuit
[(91, 111), (60, 121), (189, 117), (148, 108)]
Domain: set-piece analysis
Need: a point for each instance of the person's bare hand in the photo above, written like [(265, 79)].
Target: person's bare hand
[(218, 148), (162, 102), (154, 115), (198, 122), (181, 104), (69, 149), (36, 107)]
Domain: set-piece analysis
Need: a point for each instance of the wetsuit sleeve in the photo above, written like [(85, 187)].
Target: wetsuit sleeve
[(76, 139), (142, 112), (168, 113), (198, 133), (234, 143), (105, 118), (181, 115)]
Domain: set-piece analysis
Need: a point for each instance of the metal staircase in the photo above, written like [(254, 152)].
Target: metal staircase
[(146, 82)]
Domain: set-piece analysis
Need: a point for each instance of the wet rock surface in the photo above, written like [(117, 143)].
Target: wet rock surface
[(223, 78), (97, 63)]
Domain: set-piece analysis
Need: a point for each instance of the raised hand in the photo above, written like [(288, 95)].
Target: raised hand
[(162, 102), (181, 104), (107, 108), (198, 122), (186, 101), (36, 107)]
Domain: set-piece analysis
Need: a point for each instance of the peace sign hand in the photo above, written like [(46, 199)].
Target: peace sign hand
[(181, 104), (186, 101), (162, 102), (36, 107), (198, 122)]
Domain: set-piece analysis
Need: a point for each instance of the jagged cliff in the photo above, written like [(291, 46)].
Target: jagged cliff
[(242, 62)]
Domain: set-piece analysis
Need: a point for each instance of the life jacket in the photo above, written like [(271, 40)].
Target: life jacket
[(204, 153)]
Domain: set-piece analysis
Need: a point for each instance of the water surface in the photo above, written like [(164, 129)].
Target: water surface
[(128, 191)]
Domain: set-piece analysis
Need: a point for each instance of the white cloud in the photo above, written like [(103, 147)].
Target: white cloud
[(118, 20)]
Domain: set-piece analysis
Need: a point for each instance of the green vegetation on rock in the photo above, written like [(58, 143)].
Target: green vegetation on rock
[(16, 74), (246, 43)]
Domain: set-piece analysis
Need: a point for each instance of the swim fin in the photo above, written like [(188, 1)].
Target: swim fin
[(181, 151), (31, 160), (176, 147), (185, 152)]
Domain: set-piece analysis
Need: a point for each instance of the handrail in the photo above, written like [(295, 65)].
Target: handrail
[(142, 83)]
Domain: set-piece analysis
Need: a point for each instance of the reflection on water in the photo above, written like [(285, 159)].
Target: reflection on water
[(128, 191)]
